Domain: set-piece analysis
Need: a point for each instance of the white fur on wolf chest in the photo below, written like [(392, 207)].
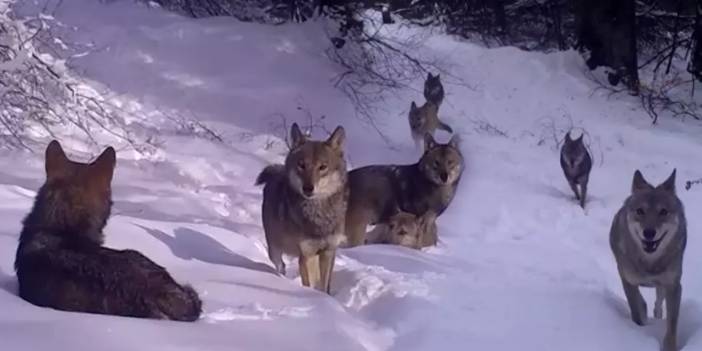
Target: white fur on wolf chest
[(644, 278), (323, 223), (434, 197)]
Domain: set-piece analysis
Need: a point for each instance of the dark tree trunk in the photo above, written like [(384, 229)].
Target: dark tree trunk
[(555, 11), (695, 66), (498, 6), (630, 56), (607, 28)]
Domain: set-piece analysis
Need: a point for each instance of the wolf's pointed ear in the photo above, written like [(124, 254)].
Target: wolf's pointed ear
[(55, 161), (413, 106), (438, 76), (429, 76), (429, 142), (336, 139), (639, 183), (296, 136), (454, 141), (103, 168), (669, 184), (568, 139)]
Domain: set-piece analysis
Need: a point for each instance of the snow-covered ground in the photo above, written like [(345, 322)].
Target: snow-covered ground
[(520, 266)]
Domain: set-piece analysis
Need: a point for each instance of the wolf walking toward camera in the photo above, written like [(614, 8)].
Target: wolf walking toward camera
[(648, 239), (576, 164), (433, 89), (425, 120), (62, 264), (377, 191), (304, 206)]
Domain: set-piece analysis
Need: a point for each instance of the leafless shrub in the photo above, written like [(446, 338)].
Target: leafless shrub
[(310, 124), (38, 96), (375, 64)]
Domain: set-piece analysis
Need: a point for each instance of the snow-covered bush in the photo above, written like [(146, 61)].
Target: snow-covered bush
[(40, 98)]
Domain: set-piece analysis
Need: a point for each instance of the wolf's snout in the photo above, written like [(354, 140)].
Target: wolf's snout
[(443, 176), (649, 234), (308, 190)]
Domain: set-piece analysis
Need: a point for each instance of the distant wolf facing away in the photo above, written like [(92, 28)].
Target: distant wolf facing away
[(425, 119), (648, 239), (62, 264), (576, 164), (428, 185), (405, 229), (304, 206)]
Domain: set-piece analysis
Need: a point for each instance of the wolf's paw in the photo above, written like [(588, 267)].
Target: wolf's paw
[(639, 320), (658, 312), (669, 343), (640, 317)]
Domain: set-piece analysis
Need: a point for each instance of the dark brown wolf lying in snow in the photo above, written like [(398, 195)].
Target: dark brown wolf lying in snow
[(62, 264)]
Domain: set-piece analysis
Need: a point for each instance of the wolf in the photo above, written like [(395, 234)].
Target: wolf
[(433, 89), (428, 185), (648, 239), (304, 206), (425, 120), (576, 164), (405, 229), (61, 262)]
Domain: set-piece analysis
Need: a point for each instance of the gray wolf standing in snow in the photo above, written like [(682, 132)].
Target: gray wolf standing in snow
[(304, 206), (61, 262), (433, 89), (377, 191), (425, 119), (576, 163), (405, 229), (648, 239)]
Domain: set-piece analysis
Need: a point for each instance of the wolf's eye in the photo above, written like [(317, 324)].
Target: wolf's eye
[(640, 211), (301, 165), (663, 212), (436, 164), (323, 167)]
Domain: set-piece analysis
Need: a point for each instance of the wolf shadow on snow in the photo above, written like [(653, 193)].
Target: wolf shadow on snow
[(189, 244)]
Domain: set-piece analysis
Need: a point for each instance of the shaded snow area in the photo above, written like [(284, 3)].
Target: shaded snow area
[(519, 266)]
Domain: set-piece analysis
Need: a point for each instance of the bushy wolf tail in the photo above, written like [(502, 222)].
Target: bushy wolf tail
[(270, 173), (105, 281), (181, 304), (445, 127)]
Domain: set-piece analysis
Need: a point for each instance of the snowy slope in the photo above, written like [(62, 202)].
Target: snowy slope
[(520, 266)]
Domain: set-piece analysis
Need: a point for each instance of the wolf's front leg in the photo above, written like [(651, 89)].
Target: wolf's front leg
[(658, 307), (309, 270), (583, 191), (637, 304), (326, 268), (672, 304), (574, 187)]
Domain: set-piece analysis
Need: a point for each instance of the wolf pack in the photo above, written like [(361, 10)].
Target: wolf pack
[(312, 206)]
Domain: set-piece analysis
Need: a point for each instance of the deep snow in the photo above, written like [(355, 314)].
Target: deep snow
[(519, 267)]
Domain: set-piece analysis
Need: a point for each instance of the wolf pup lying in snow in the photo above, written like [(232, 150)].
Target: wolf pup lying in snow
[(62, 264), (648, 239), (304, 204), (576, 163), (405, 229), (428, 185)]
